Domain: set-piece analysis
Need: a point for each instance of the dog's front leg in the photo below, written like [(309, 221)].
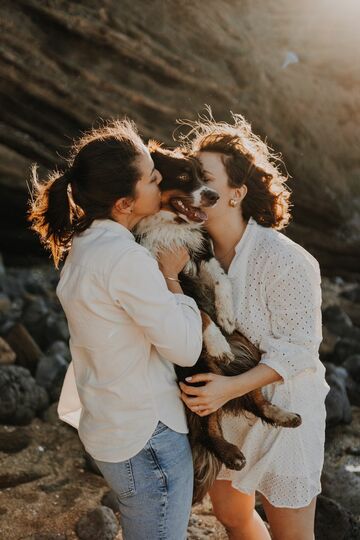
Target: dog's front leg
[(214, 276), (215, 344)]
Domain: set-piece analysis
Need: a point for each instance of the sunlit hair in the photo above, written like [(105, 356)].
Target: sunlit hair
[(101, 169), (247, 160)]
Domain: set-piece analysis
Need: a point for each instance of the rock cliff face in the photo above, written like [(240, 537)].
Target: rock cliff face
[(65, 64)]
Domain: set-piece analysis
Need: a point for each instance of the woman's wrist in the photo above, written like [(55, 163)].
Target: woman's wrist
[(236, 387), (256, 377), (171, 278), (169, 271)]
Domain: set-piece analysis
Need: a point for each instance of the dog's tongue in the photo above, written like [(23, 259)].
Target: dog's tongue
[(195, 214)]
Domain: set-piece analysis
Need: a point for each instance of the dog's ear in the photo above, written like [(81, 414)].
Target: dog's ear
[(153, 145)]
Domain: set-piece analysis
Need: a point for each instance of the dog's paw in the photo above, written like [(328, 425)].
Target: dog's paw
[(281, 417), (224, 307), (226, 322), (216, 344), (290, 420), (225, 359), (234, 459)]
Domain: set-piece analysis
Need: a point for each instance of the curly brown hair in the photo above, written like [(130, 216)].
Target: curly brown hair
[(101, 169), (247, 160)]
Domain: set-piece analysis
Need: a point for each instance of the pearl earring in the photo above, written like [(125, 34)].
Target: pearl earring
[(233, 202)]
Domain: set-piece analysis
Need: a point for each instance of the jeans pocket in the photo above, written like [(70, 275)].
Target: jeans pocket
[(119, 476)]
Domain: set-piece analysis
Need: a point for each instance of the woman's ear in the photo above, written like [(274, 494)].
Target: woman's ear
[(240, 192), (124, 205)]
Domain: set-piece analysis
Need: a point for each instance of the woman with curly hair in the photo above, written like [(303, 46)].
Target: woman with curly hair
[(277, 300)]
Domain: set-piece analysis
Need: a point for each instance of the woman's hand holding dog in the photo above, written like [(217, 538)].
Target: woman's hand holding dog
[(204, 400), (171, 262), (220, 389)]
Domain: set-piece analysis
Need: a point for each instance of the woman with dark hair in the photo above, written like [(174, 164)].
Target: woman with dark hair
[(129, 322), (277, 299)]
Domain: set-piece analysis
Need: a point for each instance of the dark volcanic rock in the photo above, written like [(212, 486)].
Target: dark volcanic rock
[(34, 319), (336, 320), (352, 365), (69, 63), (353, 391), (345, 348), (50, 374), (26, 349), (13, 440), (352, 294), (333, 522), (59, 347), (20, 397), (110, 499), (99, 523), (337, 403), (343, 486)]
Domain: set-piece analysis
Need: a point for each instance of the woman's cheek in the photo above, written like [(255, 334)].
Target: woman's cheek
[(212, 212)]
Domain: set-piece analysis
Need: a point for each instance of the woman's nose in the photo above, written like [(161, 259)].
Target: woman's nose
[(159, 177)]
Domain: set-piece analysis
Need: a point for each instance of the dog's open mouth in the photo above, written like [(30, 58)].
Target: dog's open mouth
[(190, 212)]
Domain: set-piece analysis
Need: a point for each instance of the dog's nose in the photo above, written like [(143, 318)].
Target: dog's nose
[(210, 195)]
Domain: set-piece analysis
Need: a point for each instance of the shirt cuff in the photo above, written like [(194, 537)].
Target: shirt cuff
[(276, 366)]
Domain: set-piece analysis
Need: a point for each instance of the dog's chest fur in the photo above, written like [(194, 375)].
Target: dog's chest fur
[(159, 232)]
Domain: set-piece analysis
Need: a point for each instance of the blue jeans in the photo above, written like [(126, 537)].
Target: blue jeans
[(154, 488)]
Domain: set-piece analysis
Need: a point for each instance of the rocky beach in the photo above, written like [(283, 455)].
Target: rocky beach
[(49, 487)]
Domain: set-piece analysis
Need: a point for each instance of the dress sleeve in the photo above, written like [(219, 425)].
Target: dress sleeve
[(171, 322), (294, 301)]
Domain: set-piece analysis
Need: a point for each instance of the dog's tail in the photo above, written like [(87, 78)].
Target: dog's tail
[(206, 469), (206, 464)]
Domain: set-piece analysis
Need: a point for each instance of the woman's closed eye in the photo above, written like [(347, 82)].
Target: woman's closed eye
[(208, 178)]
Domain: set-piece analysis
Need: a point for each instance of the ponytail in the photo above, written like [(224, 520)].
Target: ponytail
[(52, 212), (101, 169)]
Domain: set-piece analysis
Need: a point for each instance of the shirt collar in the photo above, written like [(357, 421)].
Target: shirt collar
[(112, 225), (250, 227)]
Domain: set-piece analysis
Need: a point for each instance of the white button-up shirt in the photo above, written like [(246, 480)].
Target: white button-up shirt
[(126, 332)]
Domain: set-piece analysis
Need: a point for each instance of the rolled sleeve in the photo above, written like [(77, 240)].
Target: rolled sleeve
[(294, 302), (171, 322)]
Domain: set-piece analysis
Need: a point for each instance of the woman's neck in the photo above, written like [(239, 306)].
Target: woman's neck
[(226, 233), (128, 221)]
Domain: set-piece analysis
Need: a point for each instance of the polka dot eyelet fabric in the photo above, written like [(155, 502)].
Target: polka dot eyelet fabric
[(277, 297)]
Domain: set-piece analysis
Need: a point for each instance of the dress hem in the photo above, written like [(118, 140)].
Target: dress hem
[(238, 487)]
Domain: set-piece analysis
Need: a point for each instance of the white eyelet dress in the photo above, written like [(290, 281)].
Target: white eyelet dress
[(277, 298)]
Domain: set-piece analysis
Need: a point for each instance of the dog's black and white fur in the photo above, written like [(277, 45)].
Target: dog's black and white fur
[(179, 224), (184, 195)]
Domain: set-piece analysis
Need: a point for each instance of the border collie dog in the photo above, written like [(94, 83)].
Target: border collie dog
[(184, 195)]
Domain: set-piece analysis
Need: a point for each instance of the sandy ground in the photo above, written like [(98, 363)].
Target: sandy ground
[(54, 489)]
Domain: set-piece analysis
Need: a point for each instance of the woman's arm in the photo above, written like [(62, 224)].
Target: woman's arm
[(171, 322), (221, 389), (293, 296)]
